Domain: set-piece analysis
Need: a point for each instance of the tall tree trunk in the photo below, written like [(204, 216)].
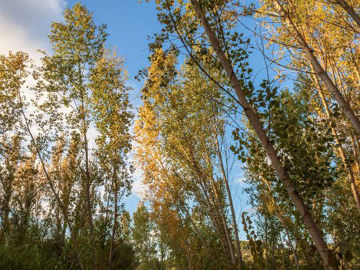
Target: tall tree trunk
[(223, 219), (219, 208), (349, 9), (330, 85), (350, 176), (281, 216), (312, 227), (49, 180), (87, 169), (356, 150), (266, 243), (192, 162), (226, 182), (214, 217), (188, 256), (182, 205), (8, 190), (114, 222)]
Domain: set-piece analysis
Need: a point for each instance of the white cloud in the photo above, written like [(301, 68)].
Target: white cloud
[(25, 24), (138, 187), (240, 180)]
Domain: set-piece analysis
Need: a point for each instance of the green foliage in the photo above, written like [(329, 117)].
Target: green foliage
[(64, 156), (61, 187)]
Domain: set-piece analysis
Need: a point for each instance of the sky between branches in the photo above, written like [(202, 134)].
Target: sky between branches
[(25, 24)]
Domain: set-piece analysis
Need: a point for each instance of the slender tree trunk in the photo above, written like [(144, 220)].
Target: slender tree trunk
[(219, 208), (226, 229), (356, 150), (266, 243), (233, 216), (292, 248), (214, 217), (114, 222), (274, 240), (281, 216), (49, 180), (314, 230), (330, 85), (8, 190), (208, 199), (350, 176), (183, 205), (87, 170), (188, 256), (349, 9)]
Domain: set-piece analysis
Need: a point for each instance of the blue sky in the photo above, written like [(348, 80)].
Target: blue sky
[(25, 24), (129, 24)]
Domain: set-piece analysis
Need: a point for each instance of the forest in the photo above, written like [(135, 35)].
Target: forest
[(270, 88)]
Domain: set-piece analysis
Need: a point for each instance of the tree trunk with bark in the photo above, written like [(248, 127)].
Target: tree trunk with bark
[(312, 227)]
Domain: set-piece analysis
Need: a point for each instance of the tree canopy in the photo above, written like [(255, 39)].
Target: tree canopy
[(267, 88)]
